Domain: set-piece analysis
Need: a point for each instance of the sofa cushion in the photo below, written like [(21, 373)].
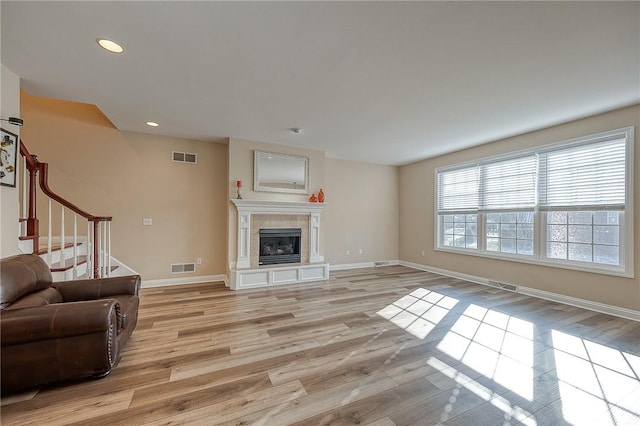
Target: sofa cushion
[(17, 280), (20, 275), (39, 298), (39, 267)]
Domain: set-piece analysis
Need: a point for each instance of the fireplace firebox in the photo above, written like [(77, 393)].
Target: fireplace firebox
[(281, 245)]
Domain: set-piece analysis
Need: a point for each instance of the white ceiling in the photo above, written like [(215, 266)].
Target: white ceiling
[(379, 82)]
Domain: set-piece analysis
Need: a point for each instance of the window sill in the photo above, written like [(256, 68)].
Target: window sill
[(576, 266)]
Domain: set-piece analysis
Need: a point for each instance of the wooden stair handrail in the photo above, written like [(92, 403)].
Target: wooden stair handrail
[(34, 166), (31, 160), (43, 168), (44, 185)]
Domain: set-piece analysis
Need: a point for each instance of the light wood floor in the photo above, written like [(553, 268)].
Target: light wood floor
[(379, 346)]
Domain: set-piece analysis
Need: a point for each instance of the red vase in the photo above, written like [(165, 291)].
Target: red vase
[(313, 198), (321, 196)]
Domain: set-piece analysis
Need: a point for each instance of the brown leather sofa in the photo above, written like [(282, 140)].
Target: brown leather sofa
[(63, 330)]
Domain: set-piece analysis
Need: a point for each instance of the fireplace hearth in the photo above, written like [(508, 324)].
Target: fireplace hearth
[(280, 245)]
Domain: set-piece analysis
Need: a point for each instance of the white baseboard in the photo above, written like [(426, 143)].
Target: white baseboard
[(343, 266), (184, 280), (582, 303), (547, 295), (452, 274)]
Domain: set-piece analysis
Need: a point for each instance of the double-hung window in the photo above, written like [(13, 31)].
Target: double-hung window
[(458, 207), (567, 204), (508, 189)]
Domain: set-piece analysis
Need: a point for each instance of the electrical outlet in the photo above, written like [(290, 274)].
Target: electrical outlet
[(422, 253), (360, 251), (348, 252), (199, 261), (147, 221)]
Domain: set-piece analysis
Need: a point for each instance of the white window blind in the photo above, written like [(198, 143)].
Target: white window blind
[(584, 177), (509, 185), (563, 205), (458, 190)]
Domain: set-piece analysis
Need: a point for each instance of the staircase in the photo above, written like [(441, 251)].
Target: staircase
[(74, 243)]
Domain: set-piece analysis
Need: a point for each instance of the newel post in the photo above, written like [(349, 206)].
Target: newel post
[(33, 226)]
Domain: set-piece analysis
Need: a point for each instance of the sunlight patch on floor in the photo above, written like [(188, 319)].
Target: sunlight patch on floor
[(596, 383), (494, 344), (418, 312), (511, 412)]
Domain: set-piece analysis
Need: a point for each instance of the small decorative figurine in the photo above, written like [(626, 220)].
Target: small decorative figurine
[(239, 185)]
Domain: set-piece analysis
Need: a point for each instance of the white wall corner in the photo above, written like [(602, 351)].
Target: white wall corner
[(9, 196)]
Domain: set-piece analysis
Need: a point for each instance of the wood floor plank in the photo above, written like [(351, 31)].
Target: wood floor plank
[(331, 353), (204, 367), (236, 406), (369, 409), (315, 365), (314, 404), (78, 410), (437, 409), (231, 374), (166, 407), (385, 421)]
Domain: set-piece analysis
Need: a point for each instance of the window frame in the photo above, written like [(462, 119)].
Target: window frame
[(539, 257)]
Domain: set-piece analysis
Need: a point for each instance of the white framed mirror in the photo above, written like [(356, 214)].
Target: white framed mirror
[(273, 172)]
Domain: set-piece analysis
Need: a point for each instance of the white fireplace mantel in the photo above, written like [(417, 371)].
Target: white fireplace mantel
[(246, 208), (277, 207)]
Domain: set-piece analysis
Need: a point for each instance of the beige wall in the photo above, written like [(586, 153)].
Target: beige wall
[(362, 202), (130, 176), (9, 213), (362, 212), (417, 219), (241, 168)]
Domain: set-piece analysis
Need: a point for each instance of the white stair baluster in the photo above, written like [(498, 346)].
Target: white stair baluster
[(89, 251), (104, 249), (25, 190), (49, 237), (101, 250), (109, 249), (63, 257), (75, 246)]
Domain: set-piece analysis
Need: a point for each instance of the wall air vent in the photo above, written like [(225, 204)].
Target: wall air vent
[(504, 286), (184, 157), (182, 268)]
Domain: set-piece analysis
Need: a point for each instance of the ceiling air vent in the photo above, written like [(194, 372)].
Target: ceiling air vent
[(181, 268), (184, 157)]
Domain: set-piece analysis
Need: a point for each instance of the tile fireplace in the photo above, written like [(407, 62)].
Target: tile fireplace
[(253, 266)]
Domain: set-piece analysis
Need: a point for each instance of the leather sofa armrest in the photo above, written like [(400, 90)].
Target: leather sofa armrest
[(77, 290), (59, 320)]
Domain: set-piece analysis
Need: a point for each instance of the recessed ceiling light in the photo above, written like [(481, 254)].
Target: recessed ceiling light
[(152, 124), (110, 45), (296, 130)]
